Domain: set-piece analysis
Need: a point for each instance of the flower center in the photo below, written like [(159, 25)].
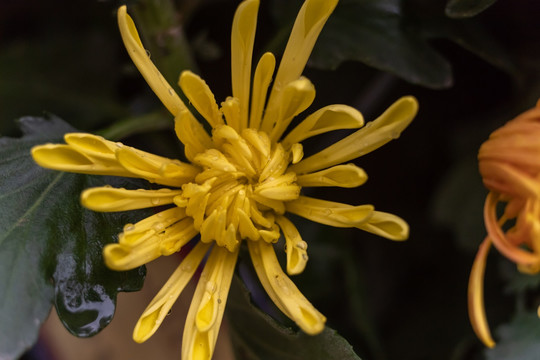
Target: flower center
[(243, 183)]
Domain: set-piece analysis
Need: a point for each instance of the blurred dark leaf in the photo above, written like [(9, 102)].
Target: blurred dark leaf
[(519, 282), (373, 32), (466, 8), (257, 336), (470, 35), (50, 247), (382, 35), (64, 72), (459, 203), (517, 339)]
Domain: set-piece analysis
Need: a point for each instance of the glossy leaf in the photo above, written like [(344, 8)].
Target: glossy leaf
[(256, 335), (373, 32), (50, 247), (467, 8), (382, 35), (517, 339)]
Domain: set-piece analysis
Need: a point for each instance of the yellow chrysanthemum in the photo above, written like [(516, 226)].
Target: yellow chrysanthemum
[(241, 180), (510, 168)]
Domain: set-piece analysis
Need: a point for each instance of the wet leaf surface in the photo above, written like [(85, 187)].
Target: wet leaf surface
[(50, 247)]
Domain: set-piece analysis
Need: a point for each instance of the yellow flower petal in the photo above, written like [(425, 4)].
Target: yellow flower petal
[(276, 165), (242, 39), (66, 158), (140, 58), (135, 234), (231, 110), (155, 168), (329, 118), (162, 303), (295, 247), (297, 151), (386, 225), (279, 188), (121, 258), (208, 304), (477, 313), (176, 236), (329, 212), (386, 127), (192, 134), (163, 241), (92, 145), (201, 97), (347, 176), (107, 199), (270, 236), (296, 97), (261, 81), (309, 23), (282, 290)]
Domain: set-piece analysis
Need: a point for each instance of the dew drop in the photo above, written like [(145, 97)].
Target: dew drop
[(158, 226), (155, 201), (327, 212), (211, 287), (302, 245), (129, 227), (283, 286), (305, 257), (394, 134), (219, 301), (186, 267)]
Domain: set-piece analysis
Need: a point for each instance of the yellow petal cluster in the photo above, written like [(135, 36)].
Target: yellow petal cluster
[(242, 178), (509, 162)]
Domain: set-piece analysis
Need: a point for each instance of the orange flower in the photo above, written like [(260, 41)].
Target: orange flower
[(509, 162)]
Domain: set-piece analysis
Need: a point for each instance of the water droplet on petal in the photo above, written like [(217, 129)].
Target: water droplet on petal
[(155, 201), (211, 287), (158, 226), (302, 245), (186, 267), (129, 227), (283, 286)]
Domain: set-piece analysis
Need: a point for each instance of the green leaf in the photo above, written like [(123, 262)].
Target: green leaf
[(258, 336), (381, 34), (466, 8), (518, 339), (373, 32), (519, 282), (50, 247), (459, 203), (472, 36)]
